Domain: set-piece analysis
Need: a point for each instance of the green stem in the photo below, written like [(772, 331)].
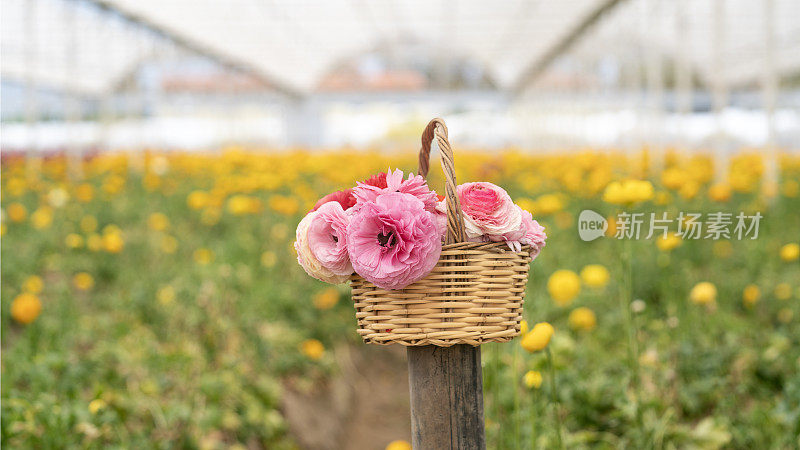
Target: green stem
[(553, 397), (534, 417), (633, 360)]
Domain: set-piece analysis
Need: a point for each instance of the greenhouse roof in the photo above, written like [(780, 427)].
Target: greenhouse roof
[(90, 47)]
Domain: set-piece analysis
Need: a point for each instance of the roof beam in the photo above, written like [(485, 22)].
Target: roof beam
[(538, 66), (194, 47)]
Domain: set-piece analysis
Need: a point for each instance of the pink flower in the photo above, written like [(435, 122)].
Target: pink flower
[(306, 257), (393, 241), (441, 217), (533, 234), (415, 185), (344, 198), (327, 238), (489, 212)]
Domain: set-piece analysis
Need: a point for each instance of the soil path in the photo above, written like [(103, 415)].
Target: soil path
[(364, 407)]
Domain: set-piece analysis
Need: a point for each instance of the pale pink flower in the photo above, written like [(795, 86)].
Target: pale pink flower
[(306, 257), (393, 241), (327, 238), (414, 185), (533, 234), (489, 212), (441, 218)]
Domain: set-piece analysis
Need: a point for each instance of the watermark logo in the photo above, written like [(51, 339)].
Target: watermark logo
[(713, 226), (591, 225)]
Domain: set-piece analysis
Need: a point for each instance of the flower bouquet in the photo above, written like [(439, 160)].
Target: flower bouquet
[(424, 269)]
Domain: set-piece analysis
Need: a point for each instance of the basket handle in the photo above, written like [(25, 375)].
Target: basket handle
[(455, 217)]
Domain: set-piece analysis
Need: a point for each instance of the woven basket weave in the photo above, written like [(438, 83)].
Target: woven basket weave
[(473, 295)]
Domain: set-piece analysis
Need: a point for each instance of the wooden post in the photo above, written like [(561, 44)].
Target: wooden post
[(446, 397)]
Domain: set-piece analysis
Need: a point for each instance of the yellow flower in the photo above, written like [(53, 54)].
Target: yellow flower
[(703, 293), (563, 286), (673, 178), (169, 244), (719, 192), (398, 445), (84, 193), (94, 242), (33, 284), (527, 204), (751, 295), (548, 204), (612, 226), (113, 242), (57, 197), (268, 259), (783, 291), (582, 319), (689, 190), (42, 218), (790, 252), (111, 229), (533, 379), (203, 256), (96, 405), (166, 295), (287, 206), (628, 192), (73, 240), (83, 281), (242, 204), (88, 224), (538, 338), (17, 212), (197, 199), (595, 275), (669, 242), (312, 348), (523, 327), (158, 222), (327, 298), (26, 308)]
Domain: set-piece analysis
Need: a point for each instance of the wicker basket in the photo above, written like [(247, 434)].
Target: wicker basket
[(473, 295)]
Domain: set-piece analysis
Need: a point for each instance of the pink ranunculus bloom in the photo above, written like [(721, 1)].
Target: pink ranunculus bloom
[(489, 212), (414, 185), (530, 233), (344, 198), (327, 238), (393, 241), (306, 257)]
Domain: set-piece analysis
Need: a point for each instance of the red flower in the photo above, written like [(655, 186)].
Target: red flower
[(378, 180), (344, 198)]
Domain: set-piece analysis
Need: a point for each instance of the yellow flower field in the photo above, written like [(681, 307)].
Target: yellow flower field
[(158, 299)]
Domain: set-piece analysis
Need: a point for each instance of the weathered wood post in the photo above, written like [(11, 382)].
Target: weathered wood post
[(445, 382), (446, 397)]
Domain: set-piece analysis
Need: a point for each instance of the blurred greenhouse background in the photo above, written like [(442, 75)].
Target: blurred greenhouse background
[(84, 75), (157, 156)]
